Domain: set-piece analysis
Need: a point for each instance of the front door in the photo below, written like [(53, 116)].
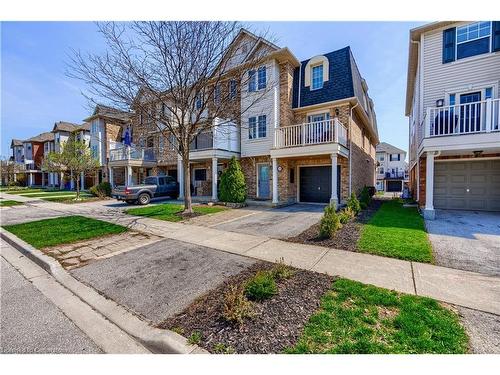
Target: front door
[(470, 112), (263, 190)]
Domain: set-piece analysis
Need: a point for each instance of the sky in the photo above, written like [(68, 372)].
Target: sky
[(36, 93)]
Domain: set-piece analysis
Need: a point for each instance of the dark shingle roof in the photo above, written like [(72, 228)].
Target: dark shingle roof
[(109, 112), (386, 147), (16, 142), (43, 137), (65, 126)]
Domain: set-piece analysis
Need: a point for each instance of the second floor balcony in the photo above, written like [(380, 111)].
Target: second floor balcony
[(397, 175), (311, 133), (131, 155), (462, 119)]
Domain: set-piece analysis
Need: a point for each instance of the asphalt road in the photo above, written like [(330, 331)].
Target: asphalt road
[(30, 323)]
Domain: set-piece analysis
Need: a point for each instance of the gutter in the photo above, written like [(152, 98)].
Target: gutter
[(350, 148)]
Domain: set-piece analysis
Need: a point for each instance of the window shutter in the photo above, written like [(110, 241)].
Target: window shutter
[(495, 33), (449, 45)]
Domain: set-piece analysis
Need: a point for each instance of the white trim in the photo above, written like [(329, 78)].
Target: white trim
[(471, 158)]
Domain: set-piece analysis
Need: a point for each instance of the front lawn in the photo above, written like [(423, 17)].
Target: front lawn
[(72, 199), (172, 212), (9, 203), (51, 232), (48, 193), (358, 318), (396, 232)]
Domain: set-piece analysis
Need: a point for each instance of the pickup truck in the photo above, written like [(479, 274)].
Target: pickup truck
[(153, 186)]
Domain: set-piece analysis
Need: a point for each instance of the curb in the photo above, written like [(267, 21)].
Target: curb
[(155, 339)]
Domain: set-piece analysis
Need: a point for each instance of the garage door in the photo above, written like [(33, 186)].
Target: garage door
[(394, 186), (467, 185), (315, 184)]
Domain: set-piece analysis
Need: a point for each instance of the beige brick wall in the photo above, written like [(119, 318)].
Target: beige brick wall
[(249, 168), (286, 91), (362, 158)]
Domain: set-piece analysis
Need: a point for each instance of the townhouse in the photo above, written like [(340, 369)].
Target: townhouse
[(453, 106), (310, 137), (31, 152), (392, 168)]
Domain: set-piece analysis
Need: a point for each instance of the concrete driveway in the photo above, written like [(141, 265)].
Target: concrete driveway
[(467, 240), (159, 280), (277, 222)]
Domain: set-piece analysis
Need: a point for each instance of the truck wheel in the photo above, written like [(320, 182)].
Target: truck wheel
[(144, 198)]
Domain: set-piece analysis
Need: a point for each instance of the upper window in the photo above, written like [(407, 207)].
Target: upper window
[(261, 73), (395, 157), (473, 39), (317, 77), (257, 127), (232, 89), (198, 102), (252, 84), (217, 94)]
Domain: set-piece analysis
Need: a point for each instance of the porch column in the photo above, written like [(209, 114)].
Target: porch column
[(72, 183), (275, 181), (128, 170), (61, 180), (214, 179), (334, 196), (31, 179), (429, 186), (43, 179), (180, 177), (110, 177), (82, 181)]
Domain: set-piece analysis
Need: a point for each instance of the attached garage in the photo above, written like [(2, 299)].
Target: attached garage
[(316, 184), (467, 185)]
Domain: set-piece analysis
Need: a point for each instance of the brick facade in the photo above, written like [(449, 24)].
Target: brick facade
[(249, 168)]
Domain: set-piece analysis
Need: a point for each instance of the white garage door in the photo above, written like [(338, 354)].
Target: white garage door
[(467, 185)]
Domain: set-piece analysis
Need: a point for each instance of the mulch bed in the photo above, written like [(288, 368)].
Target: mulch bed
[(276, 325), (346, 238)]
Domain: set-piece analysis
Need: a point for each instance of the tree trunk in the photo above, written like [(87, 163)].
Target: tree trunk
[(187, 184), (77, 181)]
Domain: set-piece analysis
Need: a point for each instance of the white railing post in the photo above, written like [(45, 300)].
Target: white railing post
[(489, 106), (303, 134), (427, 130), (335, 130)]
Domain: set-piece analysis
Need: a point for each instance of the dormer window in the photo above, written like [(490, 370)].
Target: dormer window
[(317, 77)]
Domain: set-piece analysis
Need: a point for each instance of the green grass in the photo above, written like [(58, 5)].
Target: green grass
[(357, 318), (9, 203), (49, 194), (170, 212), (17, 190), (396, 232), (71, 199), (61, 230)]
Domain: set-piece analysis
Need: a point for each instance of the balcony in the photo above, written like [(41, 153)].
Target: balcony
[(132, 156), (202, 141), (311, 133), (222, 141), (463, 119), (394, 175)]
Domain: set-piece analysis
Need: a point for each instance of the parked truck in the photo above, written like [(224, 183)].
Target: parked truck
[(153, 186)]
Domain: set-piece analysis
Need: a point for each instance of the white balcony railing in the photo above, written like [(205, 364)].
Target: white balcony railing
[(469, 118), (311, 133), (132, 153)]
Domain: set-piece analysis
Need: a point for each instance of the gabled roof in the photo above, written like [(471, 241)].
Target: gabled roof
[(16, 142), (109, 113), (65, 126), (43, 137), (388, 148), (85, 126)]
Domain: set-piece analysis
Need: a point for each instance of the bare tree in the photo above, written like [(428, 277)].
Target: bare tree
[(8, 170), (179, 78)]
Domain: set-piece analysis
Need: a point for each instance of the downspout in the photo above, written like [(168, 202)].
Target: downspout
[(350, 152), (300, 83)]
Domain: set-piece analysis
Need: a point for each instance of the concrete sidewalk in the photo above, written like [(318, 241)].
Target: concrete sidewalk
[(468, 289)]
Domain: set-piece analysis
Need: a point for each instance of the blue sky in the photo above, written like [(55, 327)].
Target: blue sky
[(35, 91)]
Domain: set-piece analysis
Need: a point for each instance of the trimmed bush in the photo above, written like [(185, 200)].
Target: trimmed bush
[(101, 190), (353, 204), (346, 215), (237, 307), (261, 286), (365, 198), (233, 188), (330, 222)]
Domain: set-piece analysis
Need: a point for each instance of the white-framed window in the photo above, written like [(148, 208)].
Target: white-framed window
[(381, 170), (233, 89), (473, 39), (94, 151), (93, 127), (257, 127), (261, 78), (317, 77), (252, 81), (217, 94)]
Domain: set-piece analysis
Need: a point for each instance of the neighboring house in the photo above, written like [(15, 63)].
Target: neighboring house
[(453, 105), (33, 158), (108, 128), (392, 168), (17, 147), (314, 117)]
